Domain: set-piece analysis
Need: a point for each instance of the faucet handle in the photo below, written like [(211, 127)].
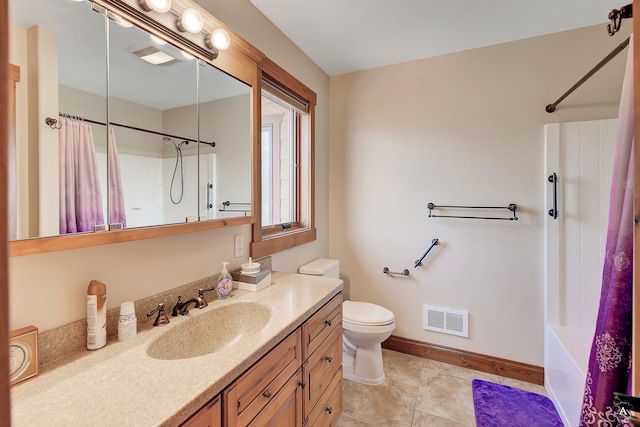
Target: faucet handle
[(202, 302), (162, 318)]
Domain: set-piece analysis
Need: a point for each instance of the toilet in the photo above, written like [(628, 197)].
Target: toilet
[(364, 326)]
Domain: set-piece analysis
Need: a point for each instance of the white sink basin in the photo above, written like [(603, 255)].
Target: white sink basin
[(212, 331)]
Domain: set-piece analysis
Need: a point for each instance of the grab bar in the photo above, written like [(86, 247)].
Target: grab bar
[(209, 187), (554, 180), (434, 242), (512, 207), (405, 272)]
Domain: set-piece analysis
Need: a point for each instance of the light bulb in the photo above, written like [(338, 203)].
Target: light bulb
[(190, 21), (187, 55), (160, 6), (157, 40), (219, 39)]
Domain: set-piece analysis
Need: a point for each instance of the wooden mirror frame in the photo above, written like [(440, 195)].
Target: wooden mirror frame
[(241, 61)]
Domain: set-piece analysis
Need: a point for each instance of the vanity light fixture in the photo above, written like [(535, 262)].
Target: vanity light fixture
[(191, 21), (219, 39), (160, 6)]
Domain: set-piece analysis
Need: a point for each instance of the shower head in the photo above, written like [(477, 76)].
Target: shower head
[(166, 138)]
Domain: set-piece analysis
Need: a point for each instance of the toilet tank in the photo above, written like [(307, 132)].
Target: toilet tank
[(324, 267)]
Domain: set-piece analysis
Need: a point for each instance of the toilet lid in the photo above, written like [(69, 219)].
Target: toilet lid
[(364, 313)]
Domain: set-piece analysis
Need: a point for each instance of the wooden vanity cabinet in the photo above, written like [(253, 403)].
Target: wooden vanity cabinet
[(322, 368), (208, 416), (297, 383)]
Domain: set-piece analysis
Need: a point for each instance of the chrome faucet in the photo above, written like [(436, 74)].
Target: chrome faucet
[(181, 308)]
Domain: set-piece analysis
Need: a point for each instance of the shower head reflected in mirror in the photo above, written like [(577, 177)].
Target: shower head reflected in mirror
[(175, 169)]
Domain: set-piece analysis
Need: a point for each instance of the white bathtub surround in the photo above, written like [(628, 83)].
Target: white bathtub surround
[(581, 154)]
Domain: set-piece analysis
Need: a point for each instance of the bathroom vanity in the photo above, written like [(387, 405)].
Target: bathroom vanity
[(290, 369)]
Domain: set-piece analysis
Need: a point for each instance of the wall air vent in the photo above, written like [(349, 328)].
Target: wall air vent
[(454, 322)]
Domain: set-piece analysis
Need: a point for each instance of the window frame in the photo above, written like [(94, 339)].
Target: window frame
[(275, 238)]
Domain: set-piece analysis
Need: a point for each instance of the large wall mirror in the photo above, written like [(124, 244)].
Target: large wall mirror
[(117, 129)]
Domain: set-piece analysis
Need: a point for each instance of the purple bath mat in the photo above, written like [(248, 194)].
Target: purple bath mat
[(499, 405)]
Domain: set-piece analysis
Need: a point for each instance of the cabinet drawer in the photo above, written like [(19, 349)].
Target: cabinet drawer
[(328, 410), (318, 327), (252, 391), (321, 367), (207, 416), (285, 409)]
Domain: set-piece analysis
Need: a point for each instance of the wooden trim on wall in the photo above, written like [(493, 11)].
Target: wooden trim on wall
[(5, 403), (85, 240), (466, 359)]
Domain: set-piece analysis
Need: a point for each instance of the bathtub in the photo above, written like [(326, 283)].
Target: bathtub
[(566, 359)]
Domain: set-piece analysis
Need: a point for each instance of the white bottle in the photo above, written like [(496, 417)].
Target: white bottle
[(127, 323), (96, 315)]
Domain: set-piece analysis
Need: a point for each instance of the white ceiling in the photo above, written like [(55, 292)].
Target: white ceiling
[(342, 36)]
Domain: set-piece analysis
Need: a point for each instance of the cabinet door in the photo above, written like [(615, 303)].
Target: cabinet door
[(208, 416), (328, 410), (259, 385), (285, 409)]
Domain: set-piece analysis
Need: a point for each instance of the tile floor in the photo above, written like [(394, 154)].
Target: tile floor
[(417, 392)]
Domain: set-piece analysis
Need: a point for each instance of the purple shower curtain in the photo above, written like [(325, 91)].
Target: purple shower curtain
[(117, 213), (610, 359), (80, 194)]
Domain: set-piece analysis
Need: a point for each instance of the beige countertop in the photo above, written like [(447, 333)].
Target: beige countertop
[(121, 385)]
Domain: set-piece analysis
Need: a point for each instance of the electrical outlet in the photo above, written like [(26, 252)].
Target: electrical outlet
[(238, 245)]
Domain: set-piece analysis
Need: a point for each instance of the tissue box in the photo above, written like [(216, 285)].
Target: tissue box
[(251, 282)]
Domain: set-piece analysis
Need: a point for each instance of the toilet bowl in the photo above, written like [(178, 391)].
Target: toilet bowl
[(364, 327)]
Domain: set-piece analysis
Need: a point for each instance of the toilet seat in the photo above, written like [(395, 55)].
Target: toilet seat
[(366, 314)]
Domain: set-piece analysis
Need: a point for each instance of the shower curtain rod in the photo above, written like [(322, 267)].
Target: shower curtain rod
[(552, 107), (52, 123)]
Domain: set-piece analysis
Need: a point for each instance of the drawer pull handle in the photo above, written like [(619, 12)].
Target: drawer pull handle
[(329, 322), (267, 394), (328, 359), (302, 384), (329, 410)]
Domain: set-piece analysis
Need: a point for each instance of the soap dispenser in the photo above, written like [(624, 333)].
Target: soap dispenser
[(225, 282)]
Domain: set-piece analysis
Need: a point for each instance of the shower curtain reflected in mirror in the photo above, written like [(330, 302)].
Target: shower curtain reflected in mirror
[(80, 194), (117, 213)]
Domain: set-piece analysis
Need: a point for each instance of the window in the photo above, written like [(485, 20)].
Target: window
[(285, 218)]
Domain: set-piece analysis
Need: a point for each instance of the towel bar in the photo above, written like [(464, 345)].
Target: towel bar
[(405, 272)]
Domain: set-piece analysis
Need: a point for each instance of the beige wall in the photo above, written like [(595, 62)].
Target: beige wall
[(48, 290), (459, 129)]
